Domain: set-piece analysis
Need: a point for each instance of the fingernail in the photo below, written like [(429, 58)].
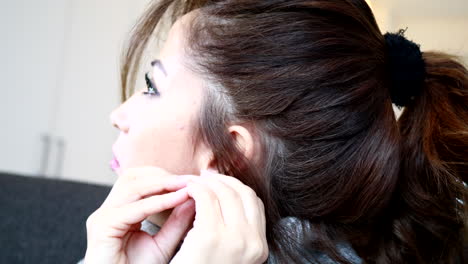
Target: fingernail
[(191, 181), (208, 172), (182, 190), (212, 170), (185, 176)]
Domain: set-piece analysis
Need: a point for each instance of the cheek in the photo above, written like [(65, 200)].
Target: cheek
[(166, 144), (162, 134)]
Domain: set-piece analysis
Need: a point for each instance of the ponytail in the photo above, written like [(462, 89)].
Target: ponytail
[(430, 223)]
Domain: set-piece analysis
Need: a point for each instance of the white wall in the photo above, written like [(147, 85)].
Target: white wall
[(91, 85), (447, 34), (31, 52), (60, 77), (435, 24)]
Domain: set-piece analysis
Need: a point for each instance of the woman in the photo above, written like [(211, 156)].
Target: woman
[(286, 109)]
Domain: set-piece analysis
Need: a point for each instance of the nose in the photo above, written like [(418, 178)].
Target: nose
[(119, 120)]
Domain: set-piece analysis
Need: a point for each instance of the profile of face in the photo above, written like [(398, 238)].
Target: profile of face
[(156, 127)]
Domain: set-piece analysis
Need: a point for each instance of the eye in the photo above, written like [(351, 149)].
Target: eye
[(152, 90)]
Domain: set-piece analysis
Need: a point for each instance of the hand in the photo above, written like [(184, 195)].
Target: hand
[(113, 230), (229, 224)]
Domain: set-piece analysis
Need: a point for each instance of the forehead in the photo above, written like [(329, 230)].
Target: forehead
[(177, 37), (180, 78)]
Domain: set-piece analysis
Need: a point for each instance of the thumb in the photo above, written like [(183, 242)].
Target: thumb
[(175, 228)]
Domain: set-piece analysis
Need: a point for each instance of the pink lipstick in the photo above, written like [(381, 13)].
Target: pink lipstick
[(114, 164)]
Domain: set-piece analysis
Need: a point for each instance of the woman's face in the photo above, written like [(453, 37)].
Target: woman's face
[(156, 130)]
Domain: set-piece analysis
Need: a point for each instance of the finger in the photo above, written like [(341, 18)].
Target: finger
[(149, 185), (117, 195), (175, 228), (232, 208), (138, 211), (207, 210), (143, 187), (132, 174), (252, 211), (261, 212)]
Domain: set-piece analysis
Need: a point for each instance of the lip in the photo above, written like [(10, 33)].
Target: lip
[(114, 163)]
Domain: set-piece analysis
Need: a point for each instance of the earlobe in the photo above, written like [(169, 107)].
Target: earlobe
[(207, 161)]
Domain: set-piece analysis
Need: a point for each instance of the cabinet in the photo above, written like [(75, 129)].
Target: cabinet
[(60, 81)]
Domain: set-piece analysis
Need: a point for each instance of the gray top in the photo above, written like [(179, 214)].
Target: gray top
[(294, 225), (297, 230)]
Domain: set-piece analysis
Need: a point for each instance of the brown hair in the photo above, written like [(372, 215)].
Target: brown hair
[(311, 78)]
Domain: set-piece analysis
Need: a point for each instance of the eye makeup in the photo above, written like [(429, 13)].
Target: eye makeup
[(151, 87)]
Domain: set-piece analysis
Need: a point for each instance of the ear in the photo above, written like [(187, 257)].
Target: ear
[(242, 137), (244, 140)]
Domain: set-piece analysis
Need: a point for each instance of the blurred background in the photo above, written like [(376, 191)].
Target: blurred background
[(60, 75)]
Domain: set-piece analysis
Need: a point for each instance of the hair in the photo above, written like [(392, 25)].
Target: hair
[(311, 78)]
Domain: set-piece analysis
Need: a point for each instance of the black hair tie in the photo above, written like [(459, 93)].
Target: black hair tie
[(406, 66)]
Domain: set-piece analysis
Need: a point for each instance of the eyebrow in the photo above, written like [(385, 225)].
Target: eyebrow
[(159, 64)]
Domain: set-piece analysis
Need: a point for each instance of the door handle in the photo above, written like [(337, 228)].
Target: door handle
[(46, 140)]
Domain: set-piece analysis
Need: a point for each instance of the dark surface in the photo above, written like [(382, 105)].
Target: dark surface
[(43, 220)]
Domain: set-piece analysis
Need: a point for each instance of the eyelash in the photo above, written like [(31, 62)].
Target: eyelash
[(152, 90)]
